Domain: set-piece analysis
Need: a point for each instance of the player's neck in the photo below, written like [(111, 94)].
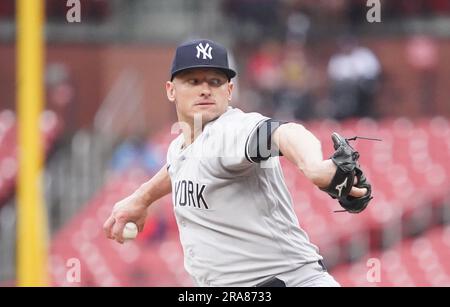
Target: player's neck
[(191, 131), (193, 127)]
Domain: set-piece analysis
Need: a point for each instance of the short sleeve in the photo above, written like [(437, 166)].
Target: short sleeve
[(259, 145), (234, 135)]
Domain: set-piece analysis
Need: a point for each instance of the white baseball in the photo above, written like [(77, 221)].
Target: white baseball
[(130, 231)]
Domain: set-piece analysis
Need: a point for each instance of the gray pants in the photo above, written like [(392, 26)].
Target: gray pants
[(308, 275)]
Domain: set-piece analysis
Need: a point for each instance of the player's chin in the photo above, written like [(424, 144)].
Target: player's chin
[(206, 113)]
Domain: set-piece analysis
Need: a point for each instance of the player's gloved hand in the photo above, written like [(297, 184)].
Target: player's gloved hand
[(130, 209), (346, 160), (357, 204)]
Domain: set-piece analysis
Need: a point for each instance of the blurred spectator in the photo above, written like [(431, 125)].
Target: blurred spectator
[(297, 26), (264, 73), (282, 80), (61, 95), (293, 99), (354, 73)]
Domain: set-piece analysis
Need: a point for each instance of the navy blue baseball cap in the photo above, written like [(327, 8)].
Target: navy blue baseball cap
[(201, 53)]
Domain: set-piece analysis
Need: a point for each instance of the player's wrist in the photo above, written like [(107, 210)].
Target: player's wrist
[(141, 199), (320, 173), (145, 194)]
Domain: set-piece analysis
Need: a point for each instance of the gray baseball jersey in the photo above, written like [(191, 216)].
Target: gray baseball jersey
[(235, 216)]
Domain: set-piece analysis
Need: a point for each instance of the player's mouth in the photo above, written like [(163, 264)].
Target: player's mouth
[(205, 103)]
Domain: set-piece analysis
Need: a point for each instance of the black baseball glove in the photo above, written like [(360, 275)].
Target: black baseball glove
[(346, 160), (357, 204)]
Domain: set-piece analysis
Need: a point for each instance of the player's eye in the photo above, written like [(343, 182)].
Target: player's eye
[(193, 81), (215, 82)]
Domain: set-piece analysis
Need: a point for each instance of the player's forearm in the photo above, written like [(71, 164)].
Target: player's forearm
[(303, 149), (157, 187)]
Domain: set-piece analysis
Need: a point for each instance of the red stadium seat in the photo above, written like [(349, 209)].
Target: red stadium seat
[(415, 262)]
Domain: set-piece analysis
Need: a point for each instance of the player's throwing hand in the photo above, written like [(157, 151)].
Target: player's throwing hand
[(130, 209)]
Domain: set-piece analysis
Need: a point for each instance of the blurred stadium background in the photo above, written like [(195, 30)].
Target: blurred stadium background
[(106, 125)]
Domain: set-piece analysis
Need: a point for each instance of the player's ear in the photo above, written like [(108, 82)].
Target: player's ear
[(170, 90), (230, 90)]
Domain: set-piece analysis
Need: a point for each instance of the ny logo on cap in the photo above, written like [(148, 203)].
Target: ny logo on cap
[(206, 51)]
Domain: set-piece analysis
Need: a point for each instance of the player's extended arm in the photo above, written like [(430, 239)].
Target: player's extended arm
[(303, 149), (134, 207)]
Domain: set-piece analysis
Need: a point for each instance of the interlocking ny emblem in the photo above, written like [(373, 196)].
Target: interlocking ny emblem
[(206, 51)]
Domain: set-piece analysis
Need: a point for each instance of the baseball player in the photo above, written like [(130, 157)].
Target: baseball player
[(233, 210)]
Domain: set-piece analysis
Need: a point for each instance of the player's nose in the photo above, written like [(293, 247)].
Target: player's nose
[(205, 89)]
